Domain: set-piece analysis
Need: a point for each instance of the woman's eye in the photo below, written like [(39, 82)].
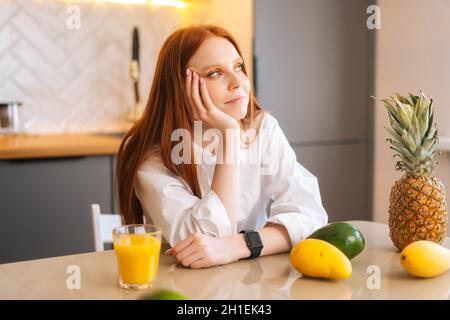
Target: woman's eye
[(216, 74), (213, 74)]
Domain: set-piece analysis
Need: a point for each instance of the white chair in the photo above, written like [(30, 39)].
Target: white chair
[(103, 224)]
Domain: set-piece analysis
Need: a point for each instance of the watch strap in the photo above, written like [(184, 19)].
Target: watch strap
[(254, 243)]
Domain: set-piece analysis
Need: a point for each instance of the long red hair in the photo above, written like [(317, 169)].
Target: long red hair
[(167, 109)]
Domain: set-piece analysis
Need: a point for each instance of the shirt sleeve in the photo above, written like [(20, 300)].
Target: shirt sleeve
[(170, 203), (293, 190)]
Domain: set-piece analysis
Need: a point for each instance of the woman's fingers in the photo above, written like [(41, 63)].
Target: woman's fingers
[(200, 263), (196, 95), (188, 83), (189, 93), (189, 260), (186, 252), (205, 95), (182, 244)]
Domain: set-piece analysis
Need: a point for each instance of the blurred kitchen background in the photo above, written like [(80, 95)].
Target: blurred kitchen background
[(314, 64)]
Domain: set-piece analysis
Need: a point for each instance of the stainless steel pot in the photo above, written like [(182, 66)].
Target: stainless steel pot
[(10, 122)]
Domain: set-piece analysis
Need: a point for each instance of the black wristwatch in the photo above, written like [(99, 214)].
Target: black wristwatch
[(254, 242)]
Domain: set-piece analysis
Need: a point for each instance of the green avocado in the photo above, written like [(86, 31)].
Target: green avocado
[(164, 294), (346, 237)]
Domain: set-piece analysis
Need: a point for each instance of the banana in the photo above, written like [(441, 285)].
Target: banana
[(425, 259), (320, 259)]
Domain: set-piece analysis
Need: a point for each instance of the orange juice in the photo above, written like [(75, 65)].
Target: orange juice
[(137, 257)]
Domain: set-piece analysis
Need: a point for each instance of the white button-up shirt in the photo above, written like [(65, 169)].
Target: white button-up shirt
[(274, 187)]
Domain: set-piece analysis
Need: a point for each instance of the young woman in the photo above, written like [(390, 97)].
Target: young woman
[(202, 207)]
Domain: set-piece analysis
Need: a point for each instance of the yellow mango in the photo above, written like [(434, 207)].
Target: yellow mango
[(425, 259), (319, 259)]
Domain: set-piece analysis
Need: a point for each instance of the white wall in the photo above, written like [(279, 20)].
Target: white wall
[(234, 15), (412, 53), (78, 80)]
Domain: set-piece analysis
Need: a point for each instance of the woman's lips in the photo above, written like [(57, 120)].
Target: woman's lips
[(237, 99)]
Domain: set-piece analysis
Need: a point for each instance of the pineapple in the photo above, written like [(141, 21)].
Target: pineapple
[(417, 204)]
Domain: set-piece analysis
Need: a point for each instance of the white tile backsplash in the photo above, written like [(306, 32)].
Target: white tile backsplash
[(77, 80)]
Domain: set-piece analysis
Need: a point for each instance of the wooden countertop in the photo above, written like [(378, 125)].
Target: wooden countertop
[(61, 145), (268, 277)]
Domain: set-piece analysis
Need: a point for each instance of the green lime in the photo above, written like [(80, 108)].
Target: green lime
[(164, 294)]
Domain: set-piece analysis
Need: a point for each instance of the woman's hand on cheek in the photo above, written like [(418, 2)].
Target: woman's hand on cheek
[(203, 107), (202, 251)]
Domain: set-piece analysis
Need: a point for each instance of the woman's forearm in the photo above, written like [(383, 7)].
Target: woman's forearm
[(274, 237), (225, 182), (199, 250)]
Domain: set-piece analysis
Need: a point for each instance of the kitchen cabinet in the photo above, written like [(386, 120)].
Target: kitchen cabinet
[(45, 204), (312, 67), (313, 62), (342, 172)]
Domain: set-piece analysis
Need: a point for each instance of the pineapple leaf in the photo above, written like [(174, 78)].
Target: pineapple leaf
[(423, 123), (428, 144), (404, 155), (408, 142), (421, 106), (430, 117), (397, 147), (391, 108), (394, 134), (415, 132), (403, 166), (427, 98), (401, 98), (432, 133), (395, 125), (421, 153), (413, 98), (404, 113)]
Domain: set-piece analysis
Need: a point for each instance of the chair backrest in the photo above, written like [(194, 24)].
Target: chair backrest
[(103, 224)]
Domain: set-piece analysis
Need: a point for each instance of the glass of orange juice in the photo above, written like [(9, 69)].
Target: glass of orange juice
[(137, 248)]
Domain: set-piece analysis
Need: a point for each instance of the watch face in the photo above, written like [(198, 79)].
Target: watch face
[(254, 239)]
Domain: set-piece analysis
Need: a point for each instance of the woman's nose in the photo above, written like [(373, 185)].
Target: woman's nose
[(235, 81)]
